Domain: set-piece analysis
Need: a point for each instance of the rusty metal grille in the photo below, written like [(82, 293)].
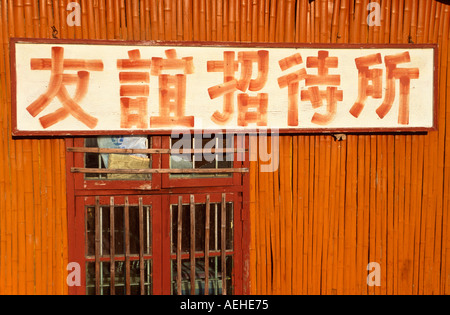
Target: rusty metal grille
[(118, 248), (202, 247)]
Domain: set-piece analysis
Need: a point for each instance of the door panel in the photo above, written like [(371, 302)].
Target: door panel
[(119, 245), (209, 226)]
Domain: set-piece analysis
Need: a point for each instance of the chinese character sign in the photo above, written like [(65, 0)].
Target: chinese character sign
[(95, 88)]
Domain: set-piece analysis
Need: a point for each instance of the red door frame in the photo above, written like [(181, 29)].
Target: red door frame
[(237, 183)]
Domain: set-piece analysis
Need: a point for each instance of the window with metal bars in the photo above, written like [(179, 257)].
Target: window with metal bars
[(118, 251), (202, 247), (125, 230)]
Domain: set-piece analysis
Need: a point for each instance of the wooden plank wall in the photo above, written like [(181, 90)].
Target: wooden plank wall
[(334, 205), (33, 223)]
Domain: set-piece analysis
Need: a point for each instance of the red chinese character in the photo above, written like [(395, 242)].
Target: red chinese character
[(172, 90), (404, 75), (57, 88), (251, 109), (332, 95), (258, 115), (133, 93), (365, 76), (292, 82)]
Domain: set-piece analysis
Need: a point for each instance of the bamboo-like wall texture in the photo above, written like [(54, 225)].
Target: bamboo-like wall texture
[(316, 223)]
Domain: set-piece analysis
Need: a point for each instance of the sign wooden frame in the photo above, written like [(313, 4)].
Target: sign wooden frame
[(283, 86)]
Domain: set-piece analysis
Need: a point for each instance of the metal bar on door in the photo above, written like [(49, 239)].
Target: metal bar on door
[(97, 245), (207, 220), (223, 244), (127, 247), (179, 242), (141, 246), (112, 247), (192, 251)]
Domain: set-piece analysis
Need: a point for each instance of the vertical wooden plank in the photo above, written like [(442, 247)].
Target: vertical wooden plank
[(260, 235), (47, 239), (326, 218), (341, 221), (202, 20), (129, 14), (300, 213), (154, 19), (64, 220), (439, 226), (14, 30), (168, 23), (272, 20), (225, 25), (318, 213), (295, 219), (445, 282), (6, 227), (188, 20), (271, 234), (253, 208), (192, 250), (310, 219), (281, 235), (446, 254), (360, 269)]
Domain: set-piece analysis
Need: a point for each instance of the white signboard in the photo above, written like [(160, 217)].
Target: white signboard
[(62, 87)]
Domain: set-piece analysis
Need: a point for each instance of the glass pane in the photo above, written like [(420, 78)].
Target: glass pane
[(148, 287), (207, 159), (119, 277), (229, 228), (105, 278), (225, 160), (90, 231), (215, 276), (147, 231), (106, 230), (181, 161), (119, 231), (185, 225), (105, 282), (201, 160), (93, 160), (118, 161), (134, 230), (90, 278), (135, 277)]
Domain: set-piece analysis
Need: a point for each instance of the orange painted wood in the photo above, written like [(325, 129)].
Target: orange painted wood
[(330, 208)]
